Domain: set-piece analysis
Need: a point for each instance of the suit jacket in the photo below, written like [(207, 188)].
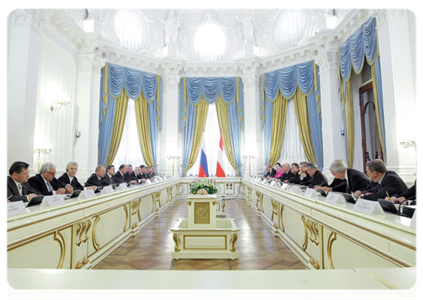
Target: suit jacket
[(107, 179), (339, 185), (118, 178), (285, 176), (391, 184), (94, 181), (306, 180), (293, 178), (37, 183), (64, 180), (141, 176), (357, 181), (318, 179), (409, 193), (13, 192), (151, 174), (129, 177), (271, 173)]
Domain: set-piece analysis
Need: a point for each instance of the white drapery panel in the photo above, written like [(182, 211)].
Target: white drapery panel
[(211, 138), (129, 151), (292, 148), (56, 83)]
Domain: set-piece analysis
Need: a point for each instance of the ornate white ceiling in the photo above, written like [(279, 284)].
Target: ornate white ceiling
[(248, 32)]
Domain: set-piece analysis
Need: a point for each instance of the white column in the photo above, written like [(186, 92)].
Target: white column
[(168, 163), (253, 137), (87, 113), (24, 44), (332, 122), (397, 56)]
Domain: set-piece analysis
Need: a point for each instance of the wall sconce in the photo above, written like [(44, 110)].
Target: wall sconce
[(408, 143), (173, 158), (249, 157), (39, 151), (58, 104)]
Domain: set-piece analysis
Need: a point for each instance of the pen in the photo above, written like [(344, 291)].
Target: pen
[(387, 194)]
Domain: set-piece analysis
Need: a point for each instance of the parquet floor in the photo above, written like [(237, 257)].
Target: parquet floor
[(151, 248)]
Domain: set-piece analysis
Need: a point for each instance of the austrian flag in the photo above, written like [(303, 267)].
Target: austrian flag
[(219, 169)]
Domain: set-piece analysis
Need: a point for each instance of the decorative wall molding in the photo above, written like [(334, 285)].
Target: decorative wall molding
[(33, 17)]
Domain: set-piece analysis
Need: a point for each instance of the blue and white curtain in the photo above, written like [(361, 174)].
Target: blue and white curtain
[(286, 80), (230, 90)]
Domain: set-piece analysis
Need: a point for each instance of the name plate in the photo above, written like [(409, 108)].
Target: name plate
[(309, 192), (86, 194), (122, 187), (415, 221), (284, 186), (148, 181), (272, 183), (296, 190), (368, 207), (334, 198), (55, 200), (16, 208), (107, 190)]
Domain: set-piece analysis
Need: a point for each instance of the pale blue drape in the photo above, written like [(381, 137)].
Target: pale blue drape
[(363, 44), (135, 82), (286, 81), (230, 92), (106, 123)]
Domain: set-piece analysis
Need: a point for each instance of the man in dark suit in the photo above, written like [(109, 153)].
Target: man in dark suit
[(130, 175), (119, 176), (305, 178), (97, 178), (18, 188), (385, 183), (270, 172), (317, 177), (142, 176), (294, 176), (45, 182), (152, 172), (68, 180), (110, 172), (346, 180), (286, 172), (409, 194)]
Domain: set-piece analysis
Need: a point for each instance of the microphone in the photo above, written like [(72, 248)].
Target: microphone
[(399, 207)]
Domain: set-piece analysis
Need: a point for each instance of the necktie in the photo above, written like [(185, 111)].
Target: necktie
[(20, 189), (49, 187)]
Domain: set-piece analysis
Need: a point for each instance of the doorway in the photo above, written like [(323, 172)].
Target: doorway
[(371, 144)]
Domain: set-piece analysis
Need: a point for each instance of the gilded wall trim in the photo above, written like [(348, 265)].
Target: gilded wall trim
[(281, 217), (331, 239), (96, 245), (126, 209), (177, 240), (62, 242), (314, 262), (232, 241), (274, 208), (305, 244)]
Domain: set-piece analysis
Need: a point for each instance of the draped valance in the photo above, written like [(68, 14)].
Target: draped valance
[(211, 88), (362, 43), (279, 86), (287, 79)]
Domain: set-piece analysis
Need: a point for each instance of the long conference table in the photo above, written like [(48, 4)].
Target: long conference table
[(80, 233)]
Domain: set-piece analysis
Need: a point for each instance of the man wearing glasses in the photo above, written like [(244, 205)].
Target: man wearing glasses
[(45, 182)]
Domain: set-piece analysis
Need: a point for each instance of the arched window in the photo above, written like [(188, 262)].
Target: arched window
[(130, 29), (291, 26), (209, 41)]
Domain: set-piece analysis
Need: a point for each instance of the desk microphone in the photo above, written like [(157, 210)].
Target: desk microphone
[(399, 207)]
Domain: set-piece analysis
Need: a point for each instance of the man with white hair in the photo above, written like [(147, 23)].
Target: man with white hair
[(346, 180), (45, 182), (68, 180), (317, 177)]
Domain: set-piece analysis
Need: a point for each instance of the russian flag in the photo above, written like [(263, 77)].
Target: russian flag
[(204, 170), (219, 169)]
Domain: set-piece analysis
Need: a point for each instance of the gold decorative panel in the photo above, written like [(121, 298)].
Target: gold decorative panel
[(201, 213)]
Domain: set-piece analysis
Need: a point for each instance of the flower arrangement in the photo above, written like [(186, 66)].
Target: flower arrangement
[(209, 185)]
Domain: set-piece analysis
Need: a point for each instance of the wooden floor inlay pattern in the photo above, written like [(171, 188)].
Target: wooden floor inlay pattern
[(151, 249)]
